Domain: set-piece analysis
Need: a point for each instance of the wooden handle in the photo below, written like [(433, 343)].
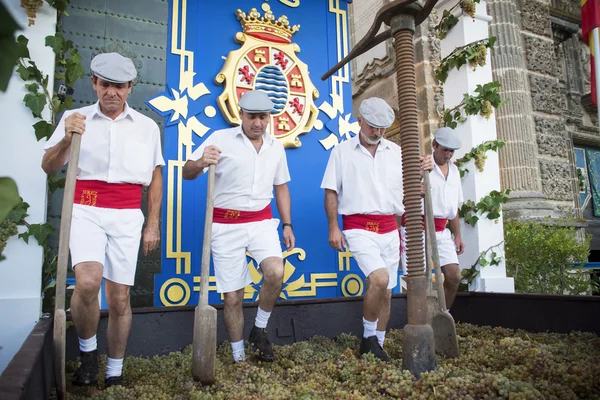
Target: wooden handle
[(65, 222), (210, 201), (430, 231)]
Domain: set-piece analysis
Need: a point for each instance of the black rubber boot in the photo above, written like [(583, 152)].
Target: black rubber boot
[(87, 373), (113, 381), (371, 345), (260, 341)]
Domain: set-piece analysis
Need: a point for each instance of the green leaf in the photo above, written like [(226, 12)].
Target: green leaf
[(56, 42), (43, 129), (32, 87), (9, 197), (54, 183), (39, 231), (23, 50), (36, 103), (18, 213), (59, 76), (483, 262)]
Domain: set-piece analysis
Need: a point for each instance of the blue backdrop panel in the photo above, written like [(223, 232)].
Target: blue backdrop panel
[(212, 59)]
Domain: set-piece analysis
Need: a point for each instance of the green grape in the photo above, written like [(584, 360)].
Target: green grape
[(468, 7)]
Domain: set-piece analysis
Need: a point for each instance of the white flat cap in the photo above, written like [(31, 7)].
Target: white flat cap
[(377, 112), (256, 101), (447, 137), (113, 67)]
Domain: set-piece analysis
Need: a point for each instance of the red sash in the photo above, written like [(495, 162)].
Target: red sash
[(370, 222), (226, 216), (107, 195), (440, 223)]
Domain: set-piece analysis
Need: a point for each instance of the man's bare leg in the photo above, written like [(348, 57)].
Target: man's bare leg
[(85, 312), (234, 322), (272, 270), (373, 304), (452, 279), (384, 317), (85, 309), (119, 327)]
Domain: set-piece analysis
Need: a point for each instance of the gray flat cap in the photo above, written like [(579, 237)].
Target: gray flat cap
[(447, 137), (377, 112), (113, 67), (256, 101)]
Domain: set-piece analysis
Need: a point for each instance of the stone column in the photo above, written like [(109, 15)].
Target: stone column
[(519, 168)]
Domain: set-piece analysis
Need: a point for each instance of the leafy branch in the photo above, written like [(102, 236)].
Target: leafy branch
[(449, 21), (469, 274), (474, 53), (483, 103), (477, 153), (490, 205)]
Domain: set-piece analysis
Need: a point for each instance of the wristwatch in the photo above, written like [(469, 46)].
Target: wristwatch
[(286, 224)]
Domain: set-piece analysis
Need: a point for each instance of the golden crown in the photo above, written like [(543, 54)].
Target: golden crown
[(266, 27)]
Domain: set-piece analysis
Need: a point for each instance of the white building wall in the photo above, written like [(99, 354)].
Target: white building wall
[(20, 158)]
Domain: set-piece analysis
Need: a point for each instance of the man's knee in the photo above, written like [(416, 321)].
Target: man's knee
[(88, 279), (379, 280), (272, 269), (233, 299), (452, 274), (118, 302)]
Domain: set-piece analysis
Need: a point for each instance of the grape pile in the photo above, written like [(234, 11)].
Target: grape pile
[(495, 363), (7, 229)]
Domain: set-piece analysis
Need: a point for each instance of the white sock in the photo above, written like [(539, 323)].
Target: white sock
[(88, 345), (370, 328), (380, 337), (238, 351), (262, 318), (114, 367)]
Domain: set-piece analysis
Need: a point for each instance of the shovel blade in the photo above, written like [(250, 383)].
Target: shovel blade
[(204, 349), (444, 332)]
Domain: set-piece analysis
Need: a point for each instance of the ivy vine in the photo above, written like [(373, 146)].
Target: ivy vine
[(469, 274), (487, 98), (449, 21), (489, 205), (477, 153), (474, 53)]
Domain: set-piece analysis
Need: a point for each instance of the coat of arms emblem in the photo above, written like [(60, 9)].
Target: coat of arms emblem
[(267, 61)]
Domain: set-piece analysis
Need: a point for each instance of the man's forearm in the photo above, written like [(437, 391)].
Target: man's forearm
[(56, 156), (331, 208), (155, 196), (284, 203), (191, 170), (455, 226)]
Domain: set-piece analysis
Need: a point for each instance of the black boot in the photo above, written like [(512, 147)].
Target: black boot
[(371, 345), (87, 373), (259, 340), (113, 381)]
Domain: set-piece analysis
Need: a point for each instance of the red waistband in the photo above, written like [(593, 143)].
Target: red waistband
[(370, 222), (226, 216), (440, 223), (107, 195)]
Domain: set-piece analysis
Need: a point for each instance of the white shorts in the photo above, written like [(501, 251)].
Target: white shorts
[(108, 236), (373, 251), (229, 245), (446, 247)]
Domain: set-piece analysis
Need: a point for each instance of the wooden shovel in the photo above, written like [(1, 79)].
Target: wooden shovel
[(444, 328), (204, 350), (60, 317)]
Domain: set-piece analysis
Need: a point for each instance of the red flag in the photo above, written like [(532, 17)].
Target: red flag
[(590, 20)]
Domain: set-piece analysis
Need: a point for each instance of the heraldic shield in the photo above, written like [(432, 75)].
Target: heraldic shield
[(267, 61)]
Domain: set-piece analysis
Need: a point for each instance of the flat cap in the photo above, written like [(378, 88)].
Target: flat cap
[(256, 101), (377, 112), (113, 67), (447, 137)]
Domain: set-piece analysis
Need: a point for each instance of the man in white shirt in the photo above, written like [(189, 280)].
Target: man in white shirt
[(363, 183), (120, 154), (250, 164), (447, 197)]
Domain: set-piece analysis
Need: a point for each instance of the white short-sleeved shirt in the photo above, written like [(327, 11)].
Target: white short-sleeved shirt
[(366, 184), (244, 178), (446, 193), (124, 150)]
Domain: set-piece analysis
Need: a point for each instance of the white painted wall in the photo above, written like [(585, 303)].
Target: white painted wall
[(474, 131), (20, 158), (364, 12)]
